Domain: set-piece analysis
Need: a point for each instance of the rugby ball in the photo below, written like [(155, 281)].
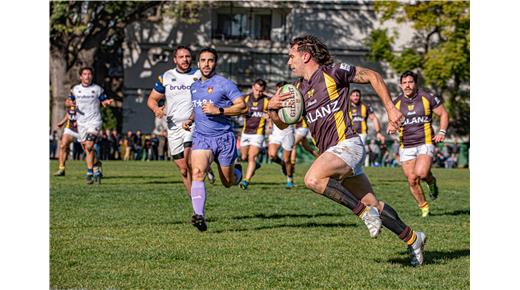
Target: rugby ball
[(293, 106)]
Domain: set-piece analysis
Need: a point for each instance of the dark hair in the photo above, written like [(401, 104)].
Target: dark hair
[(281, 84), (408, 73), (86, 68), (180, 47), (317, 49), (355, 90), (209, 49), (260, 82)]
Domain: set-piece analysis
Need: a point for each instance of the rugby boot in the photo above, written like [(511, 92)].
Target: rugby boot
[(434, 190), (89, 179), (244, 184), (98, 172), (60, 172), (372, 220), (284, 170), (211, 177), (199, 222), (239, 177), (417, 248), (290, 185)]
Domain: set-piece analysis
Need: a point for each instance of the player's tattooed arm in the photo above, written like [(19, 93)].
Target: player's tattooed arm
[(365, 76)]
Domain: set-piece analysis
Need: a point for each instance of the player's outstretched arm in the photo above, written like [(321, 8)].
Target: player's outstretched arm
[(443, 114), (365, 76), (153, 103)]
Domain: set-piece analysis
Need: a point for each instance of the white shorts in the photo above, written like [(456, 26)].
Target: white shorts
[(301, 131), (176, 139), (411, 153), (88, 128), (71, 133), (286, 139), (352, 151), (251, 139)]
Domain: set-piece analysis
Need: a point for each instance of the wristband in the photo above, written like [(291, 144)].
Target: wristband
[(272, 110), (443, 132)]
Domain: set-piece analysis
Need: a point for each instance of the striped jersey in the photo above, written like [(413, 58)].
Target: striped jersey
[(417, 127), (255, 118), (326, 103), (71, 119), (359, 115)]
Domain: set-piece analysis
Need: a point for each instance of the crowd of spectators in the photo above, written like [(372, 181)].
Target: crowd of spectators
[(379, 155), (135, 146), (111, 145)]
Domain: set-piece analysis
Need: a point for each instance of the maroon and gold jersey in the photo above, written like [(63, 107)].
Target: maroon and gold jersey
[(326, 101), (417, 127), (359, 115), (72, 123), (254, 120)]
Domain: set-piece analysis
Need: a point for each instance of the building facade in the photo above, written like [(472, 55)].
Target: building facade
[(252, 40)]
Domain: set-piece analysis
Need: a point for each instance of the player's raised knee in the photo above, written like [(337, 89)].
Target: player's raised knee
[(198, 173), (313, 183)]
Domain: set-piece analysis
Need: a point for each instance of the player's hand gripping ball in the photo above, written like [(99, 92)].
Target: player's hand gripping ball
[(292, 107)]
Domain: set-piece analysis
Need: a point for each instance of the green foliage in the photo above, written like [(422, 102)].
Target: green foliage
[(109, 118), (133, 232), (440, 49)]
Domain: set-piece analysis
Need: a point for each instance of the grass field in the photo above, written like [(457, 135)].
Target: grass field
[(133, 231)]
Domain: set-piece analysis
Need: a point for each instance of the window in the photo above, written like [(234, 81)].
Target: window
[(234, 26), (262, 27), (242, 25)]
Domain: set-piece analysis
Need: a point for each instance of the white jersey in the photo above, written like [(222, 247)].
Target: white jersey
[(176, 87), (88, 100)]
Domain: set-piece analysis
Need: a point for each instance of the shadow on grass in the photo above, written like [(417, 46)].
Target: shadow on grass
[(281, 216), (432, 257), (453, 213), (303, 225), (116, 225)]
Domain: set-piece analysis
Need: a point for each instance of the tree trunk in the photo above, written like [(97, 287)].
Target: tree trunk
[(60, 86)]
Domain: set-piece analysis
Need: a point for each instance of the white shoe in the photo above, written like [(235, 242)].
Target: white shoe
[(416, 249), (211, 177), (372, 219)]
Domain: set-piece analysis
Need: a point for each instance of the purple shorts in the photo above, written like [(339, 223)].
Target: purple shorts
[(223, 147)]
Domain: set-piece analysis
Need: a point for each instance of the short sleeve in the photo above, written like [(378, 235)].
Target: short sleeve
[(344, 73), (232, 91), (159, 87)]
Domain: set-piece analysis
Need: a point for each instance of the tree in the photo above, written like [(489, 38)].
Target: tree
[(82, 31), (439, 50)]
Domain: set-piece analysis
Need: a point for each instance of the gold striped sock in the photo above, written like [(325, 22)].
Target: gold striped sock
[(412, 239)]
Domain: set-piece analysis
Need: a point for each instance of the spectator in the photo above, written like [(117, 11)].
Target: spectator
[(375, 153), (53, 142), (138, 145), (155, 147), (77, 150), (129, 144), (147, 149), (104, 146), (162, 147), (115, 153), (451, 162)]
